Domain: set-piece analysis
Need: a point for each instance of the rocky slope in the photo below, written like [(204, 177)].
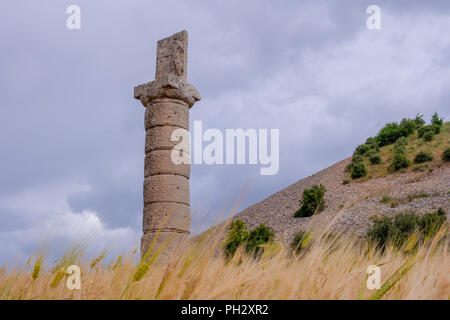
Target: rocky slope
[(350, 206)]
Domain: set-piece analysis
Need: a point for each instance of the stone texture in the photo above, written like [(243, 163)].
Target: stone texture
[(171, 87), (169, 244), (166, 188), (348, 207), (166, 216), (159, 138), (171, 73), (160, 162), (167, 112), (166, 185), (171, 56)]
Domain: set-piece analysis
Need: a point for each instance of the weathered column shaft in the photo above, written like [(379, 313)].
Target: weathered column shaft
[(166, 220), (166, 186)]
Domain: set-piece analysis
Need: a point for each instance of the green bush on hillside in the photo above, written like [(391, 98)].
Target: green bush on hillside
[(399, 161), (402, 226), (446, 155), (312, 201), (300, 240), (361, 149), (428, 136), (358, 170), (257, 237), (419, 120), (430, 222), (422, 157), (374, 158), (435, 120), (392, 131), (388, 134), (400, 145), (238, 236)]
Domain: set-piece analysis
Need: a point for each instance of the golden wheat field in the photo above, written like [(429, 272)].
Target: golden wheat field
[(329, 269)]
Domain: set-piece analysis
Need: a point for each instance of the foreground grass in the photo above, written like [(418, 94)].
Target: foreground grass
[(327, 269)]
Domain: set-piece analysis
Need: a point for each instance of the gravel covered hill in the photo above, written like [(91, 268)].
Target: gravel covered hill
[(420, 189)]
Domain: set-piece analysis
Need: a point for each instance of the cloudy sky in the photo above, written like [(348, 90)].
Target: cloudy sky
[(72, 136)]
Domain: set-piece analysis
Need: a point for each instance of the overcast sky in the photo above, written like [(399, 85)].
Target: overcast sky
[(72, 136)]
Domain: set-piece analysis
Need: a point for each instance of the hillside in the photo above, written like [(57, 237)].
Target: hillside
[(349, 203)]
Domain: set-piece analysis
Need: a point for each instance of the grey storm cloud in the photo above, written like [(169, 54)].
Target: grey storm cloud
[(72, 136)]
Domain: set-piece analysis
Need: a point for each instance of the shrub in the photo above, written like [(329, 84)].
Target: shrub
[(385, 199), (300, 240), (345, 181), (407, 127), (421, 131), (381, 231), (422, 157), (400, 145), (392, 131), (446, 155), (428, 136), (399, 161), (419, 120), (356, 158), (402, 226), (436, 129), (375, 159), (260, 235), (373, 144), (405, 224), (312, 201), (435, 120), (388, 134), (430, 222), (358, 170), (236, 236), (361, 149)]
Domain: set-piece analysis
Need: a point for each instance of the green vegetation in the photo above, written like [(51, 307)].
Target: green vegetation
[(422, 157), (436, 121), (374, 158), (398, 145), (236, 236), (239, 236), (358, 170), (257, 238), (428, 136), (446, 155), (392, 131), (403, 226), (312, 201), (300, 241), (400, 161)]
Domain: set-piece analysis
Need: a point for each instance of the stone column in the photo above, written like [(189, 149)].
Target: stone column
[(166, 221)]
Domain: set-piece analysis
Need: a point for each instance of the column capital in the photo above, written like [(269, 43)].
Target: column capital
[(171, 73), (169, 86)]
